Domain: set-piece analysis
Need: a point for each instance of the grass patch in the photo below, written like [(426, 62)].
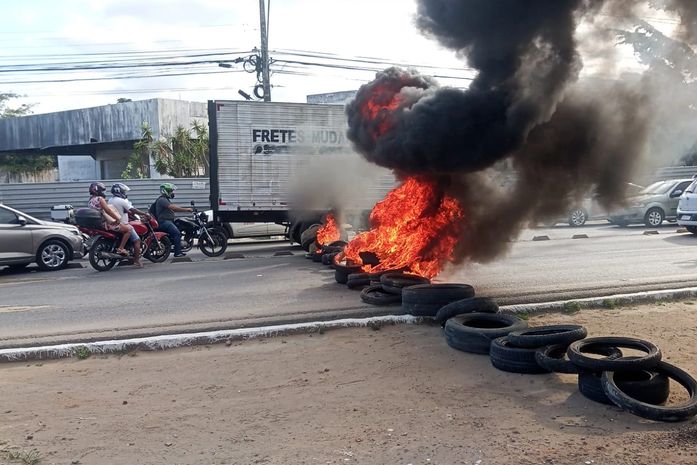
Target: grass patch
[(28, 457), (523, 315), (571, 308), (610, 304), (82, 352)]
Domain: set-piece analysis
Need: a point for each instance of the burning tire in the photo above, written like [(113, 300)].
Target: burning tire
[(507, 357), (376, 296), (553, 358), (633, 402), (358, 280), (577, 350), (393, 283), (427, 299), (645, 386), (328, 258), (473, 332), (342, 272), (462, 306), (547, 335)]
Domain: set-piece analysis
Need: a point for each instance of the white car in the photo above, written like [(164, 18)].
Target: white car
[(251, 229), (687, 208)]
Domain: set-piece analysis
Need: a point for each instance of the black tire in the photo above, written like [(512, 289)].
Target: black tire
[(97, 262), (358, 280), (648, 385), (394, 282), (338, 244), (506, 357), (462, 306), (541, 336), (215, 246), (294, 232), (328, 258), (309, 236), (53, 255), (691, 229), (576, 354), (17, 267), (341, 275), (317, 257), (577, 217), (376, 296), (630, 402), (473, 332), (437, 293), (160, 254), (553, 358), (654, 217)]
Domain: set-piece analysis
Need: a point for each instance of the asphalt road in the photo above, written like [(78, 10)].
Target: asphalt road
[(262, 288)]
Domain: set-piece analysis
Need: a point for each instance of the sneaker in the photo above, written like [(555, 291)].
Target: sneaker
[(177, 255)]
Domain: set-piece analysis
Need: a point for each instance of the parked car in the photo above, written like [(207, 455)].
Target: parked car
[(653, 205), (251, 229), (687, 208), (586, 210), (25, 240)]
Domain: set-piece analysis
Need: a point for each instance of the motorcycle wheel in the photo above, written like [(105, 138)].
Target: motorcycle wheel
[(215, 246), (159, 254), (96, 260)]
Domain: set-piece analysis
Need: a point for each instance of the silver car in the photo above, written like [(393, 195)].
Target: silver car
[(25, 240), (652, 205)]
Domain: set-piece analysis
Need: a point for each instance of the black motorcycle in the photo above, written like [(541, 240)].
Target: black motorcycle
[(211, 240)]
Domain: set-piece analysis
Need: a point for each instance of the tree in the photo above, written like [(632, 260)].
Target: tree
[(17, 164), (182, 155), (123, 100)]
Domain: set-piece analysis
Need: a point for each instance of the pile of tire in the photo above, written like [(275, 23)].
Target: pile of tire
[(637, 384), (384, 288)]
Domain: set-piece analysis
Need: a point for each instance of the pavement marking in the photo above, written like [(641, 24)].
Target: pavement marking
[(16, 309)]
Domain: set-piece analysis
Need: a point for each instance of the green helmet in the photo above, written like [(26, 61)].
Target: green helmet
[(167, 189)]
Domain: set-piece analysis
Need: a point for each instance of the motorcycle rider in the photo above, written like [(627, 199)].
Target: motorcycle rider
[(112, 219), (164, 213), (119, 200)]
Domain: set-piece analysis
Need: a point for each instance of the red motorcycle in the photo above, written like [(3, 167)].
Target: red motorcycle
[(155, 245)]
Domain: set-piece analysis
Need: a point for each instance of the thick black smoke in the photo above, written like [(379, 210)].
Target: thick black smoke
[(563, 139)]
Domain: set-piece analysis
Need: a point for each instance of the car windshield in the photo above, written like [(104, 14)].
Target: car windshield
[(660, 187)]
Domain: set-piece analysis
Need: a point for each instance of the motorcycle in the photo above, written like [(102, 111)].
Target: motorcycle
[(155, 246), (211, 240)]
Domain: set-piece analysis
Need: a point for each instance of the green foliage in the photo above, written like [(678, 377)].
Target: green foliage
[(82, 352), (571, 307), (15, 164), (182, 155), (123, 100), (610, 303), (6, 112), (138, 166), (31, 457), (523, 315)]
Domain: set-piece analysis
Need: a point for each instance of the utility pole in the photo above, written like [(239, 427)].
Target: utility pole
[(264, 52)]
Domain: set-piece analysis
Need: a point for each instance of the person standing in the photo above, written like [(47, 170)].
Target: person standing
[(120, 202), (164, 214)]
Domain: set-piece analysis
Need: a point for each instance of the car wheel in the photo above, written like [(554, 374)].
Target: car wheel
[(52, 255), (654, 217), (577, 217), (692, 229)]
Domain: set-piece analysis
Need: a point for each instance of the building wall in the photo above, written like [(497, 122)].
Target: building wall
[(77, 168)]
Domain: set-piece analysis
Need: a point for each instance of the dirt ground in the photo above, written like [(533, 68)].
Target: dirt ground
[(397, 395)]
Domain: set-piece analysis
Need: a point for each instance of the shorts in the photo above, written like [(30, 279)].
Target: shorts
[(134, 236)]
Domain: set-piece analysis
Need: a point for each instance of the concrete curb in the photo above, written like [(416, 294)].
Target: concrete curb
[(189, 339), (172, 341)]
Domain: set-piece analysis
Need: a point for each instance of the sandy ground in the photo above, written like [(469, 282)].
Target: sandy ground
[(397, 395)]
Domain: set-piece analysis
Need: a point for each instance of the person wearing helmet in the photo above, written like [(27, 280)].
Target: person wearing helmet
[(112, 219), (120, 202), (164, 212)]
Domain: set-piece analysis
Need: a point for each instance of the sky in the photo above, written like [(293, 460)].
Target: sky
[(316, 44), (38, 33)]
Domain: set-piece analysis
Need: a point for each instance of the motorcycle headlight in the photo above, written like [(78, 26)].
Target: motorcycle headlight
[(203, 217)]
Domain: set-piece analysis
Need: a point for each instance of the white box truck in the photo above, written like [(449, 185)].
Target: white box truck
[(287, 163)]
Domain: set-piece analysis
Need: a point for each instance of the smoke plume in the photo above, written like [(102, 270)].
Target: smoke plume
[(561, 138)]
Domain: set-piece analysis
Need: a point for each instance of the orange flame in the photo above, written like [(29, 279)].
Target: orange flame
[(329, 232), (415, 229), (380, 107)]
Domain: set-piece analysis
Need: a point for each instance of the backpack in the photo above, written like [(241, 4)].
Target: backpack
[(153, 209)]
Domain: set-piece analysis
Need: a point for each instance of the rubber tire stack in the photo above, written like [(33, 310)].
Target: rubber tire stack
[(427, 299), (473, 332)]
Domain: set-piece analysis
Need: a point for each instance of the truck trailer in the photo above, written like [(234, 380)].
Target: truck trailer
[(289, 164)]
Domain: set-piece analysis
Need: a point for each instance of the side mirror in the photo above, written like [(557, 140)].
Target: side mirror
[(676, 193), (22, 221), (193, 204)]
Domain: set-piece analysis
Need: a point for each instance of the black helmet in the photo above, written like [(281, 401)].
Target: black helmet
[(120, 190), (97, 188)]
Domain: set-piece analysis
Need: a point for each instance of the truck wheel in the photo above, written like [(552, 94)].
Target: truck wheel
[(692, 229), (309, 236)]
